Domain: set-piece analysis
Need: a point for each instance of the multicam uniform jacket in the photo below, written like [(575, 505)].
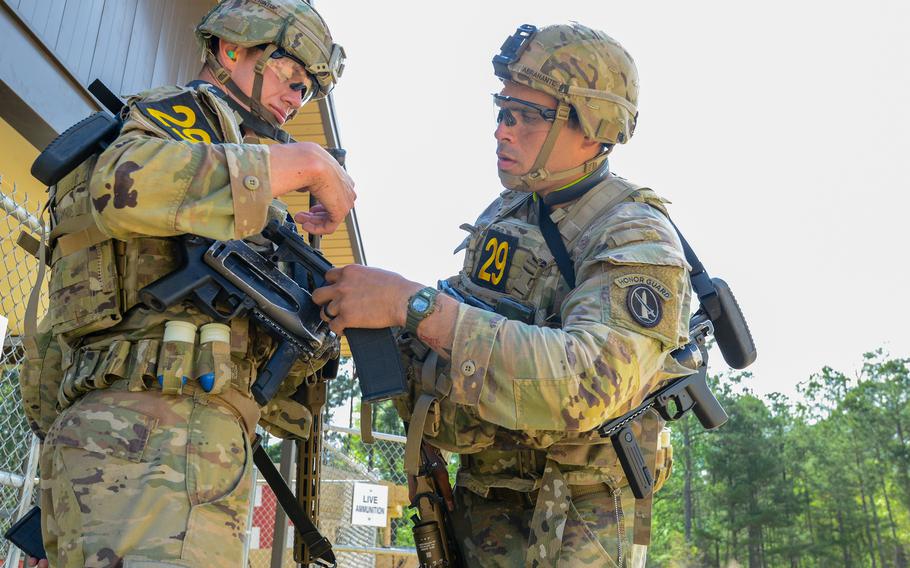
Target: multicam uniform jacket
[(180, 165), (520, 401)]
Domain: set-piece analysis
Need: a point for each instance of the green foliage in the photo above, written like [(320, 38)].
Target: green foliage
[(824, 481), (343, 402)]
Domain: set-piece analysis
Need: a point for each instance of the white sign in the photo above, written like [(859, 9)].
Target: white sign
[(3, 323), (371, 505)]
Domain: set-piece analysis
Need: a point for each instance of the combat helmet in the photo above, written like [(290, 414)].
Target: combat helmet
[(289, 27), (587, 72)]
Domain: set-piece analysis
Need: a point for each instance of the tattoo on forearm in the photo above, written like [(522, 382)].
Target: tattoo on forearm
[(437, 344)]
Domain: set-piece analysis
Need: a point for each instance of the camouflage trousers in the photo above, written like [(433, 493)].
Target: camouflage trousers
[(143, 479), (494, 532)]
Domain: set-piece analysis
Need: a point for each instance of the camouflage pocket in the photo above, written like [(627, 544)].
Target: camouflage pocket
[(99, 427), (461, 430), (535, 400), (146, 259), (217, 454), (143, 363), (39, 381), (212, 365), (84, 295), (175, 363), (93, 369)]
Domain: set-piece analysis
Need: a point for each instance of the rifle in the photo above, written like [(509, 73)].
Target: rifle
[(228, 279), (678, 396)]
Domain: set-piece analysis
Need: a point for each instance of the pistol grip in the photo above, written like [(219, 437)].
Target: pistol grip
[(633, 462)]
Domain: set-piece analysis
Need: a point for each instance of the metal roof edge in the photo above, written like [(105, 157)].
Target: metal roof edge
[(330, 125)]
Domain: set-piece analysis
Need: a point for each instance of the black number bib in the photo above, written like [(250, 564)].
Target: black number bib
[(181, 117), (494, 260)]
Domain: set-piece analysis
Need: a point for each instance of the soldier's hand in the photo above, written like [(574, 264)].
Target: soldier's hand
[(39, 563), (305, 166), (361, 297)]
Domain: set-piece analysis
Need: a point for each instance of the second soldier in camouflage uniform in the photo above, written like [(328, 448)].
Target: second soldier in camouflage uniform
[(138, 469), (519, 400)]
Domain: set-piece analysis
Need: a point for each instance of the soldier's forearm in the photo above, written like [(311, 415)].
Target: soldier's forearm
[(438, 329)]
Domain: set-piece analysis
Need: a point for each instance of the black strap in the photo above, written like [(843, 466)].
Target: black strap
[(556, 245), (318, 546), (701, 282)]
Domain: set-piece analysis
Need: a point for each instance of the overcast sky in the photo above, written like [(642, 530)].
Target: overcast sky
[(777, 129)]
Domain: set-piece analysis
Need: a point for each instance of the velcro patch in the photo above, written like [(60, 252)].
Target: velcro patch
[(181, 117), (647, 298), (494, 260)]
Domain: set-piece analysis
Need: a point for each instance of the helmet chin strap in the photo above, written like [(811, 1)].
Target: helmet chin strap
[(264, 122), (538, 176)]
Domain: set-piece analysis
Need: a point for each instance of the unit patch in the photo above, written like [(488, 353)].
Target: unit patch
[(494, 260), (181, 117), (644, 305)]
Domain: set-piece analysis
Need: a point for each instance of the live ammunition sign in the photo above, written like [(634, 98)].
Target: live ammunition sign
[(371, 505), (495, 258), (181, 117)]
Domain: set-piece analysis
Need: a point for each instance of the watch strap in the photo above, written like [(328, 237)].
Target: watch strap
[(414, 317)]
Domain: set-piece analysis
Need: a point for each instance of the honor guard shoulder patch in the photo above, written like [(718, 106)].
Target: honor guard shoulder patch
[(181, 117), (494, 260), (649, 299)]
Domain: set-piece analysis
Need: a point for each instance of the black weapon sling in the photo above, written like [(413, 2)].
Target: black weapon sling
[(698, 276), (556, 245), (317, 545)]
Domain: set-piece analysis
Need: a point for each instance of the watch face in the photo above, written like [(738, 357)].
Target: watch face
[(420, 304)]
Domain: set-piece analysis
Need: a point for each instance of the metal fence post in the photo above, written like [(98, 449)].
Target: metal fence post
[(249, 521)]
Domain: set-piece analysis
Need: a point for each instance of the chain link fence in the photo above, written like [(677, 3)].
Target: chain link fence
[(346, 461), (18, 456)]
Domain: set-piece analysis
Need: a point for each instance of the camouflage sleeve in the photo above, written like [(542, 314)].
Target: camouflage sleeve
[(628, 311), (148, 184)]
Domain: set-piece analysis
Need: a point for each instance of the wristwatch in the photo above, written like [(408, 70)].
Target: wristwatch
[(420, 305)]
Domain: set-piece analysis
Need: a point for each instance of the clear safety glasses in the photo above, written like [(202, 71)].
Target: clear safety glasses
[(519, 113), (290, 70)]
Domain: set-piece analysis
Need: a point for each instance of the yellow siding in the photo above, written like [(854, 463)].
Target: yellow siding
[(18, 268), (307, 126)]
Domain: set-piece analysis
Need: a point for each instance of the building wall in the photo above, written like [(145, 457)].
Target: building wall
[(61, 46), (130, 45)]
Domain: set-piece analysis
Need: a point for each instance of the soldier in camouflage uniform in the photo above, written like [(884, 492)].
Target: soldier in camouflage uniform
[(519, 397), (137, 468)]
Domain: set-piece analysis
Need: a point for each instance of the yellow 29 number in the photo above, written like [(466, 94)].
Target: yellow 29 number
[(185, 124), (499, 253)]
